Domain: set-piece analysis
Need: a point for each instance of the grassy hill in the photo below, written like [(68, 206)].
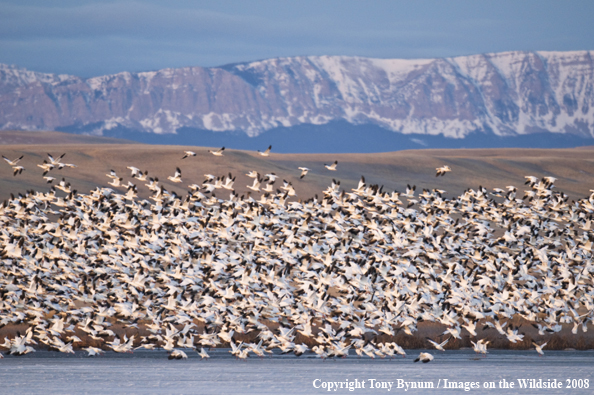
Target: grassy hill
[(96, 156)]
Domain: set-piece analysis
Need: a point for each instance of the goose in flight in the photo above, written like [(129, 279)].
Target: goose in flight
[(92, 351), (539, 348), (256, 185), (253, 174), (439, 346), (188, 154), (203, 353), (442, 170), (17, 170), (424, 357), (46, 167), (55, 161), (271, 177), (218, 152), (176, 177), (332, 166), (304, 171), (116, 182), (267, 152), (14, 161), (177, 354), (480, 347)]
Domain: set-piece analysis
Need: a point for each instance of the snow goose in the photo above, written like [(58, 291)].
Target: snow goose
[(539, 348), (14, 161), (55, 161), (267, 152), (176, 177), (177, 354), (331, 167), (93, 351), (255, 186), (442, 170), (439, 346), (424, 357), (17, 170), (187, 154), (218, 152), (203, 353), (304, 171), (46, 167), (480, 347)]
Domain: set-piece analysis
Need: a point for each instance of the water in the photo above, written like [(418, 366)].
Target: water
[(150, 372)]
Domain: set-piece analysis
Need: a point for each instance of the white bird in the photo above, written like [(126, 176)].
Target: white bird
[(134, 171), (271, 177), (218, 152), (539, 348), (188, 154), (46, 167), (92, 351), (424, 357), (332, 166), (177, 354), (267, 152), (480, 347), (203, 353), (116, 182), (442, 170), (304, 171), (439, 346), (55, 161), (176, 177), (255, 186), (17, 169), (253, 174), (14, 161)]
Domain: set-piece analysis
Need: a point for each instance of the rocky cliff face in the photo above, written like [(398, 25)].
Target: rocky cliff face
[(507, 94)]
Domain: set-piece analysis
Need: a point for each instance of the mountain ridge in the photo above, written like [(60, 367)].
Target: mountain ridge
[(503, 94)]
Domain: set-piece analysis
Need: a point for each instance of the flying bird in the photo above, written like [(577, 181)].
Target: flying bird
[(218, 152), (442, 170), (267, 152), (332, 166), (188, 154), (176, 177), (539, 348), (304, 171), (12, 162), (424, 357), (439, 346), (17, 170)]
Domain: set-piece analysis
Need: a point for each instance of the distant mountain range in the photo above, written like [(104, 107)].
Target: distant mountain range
[(322, 103)]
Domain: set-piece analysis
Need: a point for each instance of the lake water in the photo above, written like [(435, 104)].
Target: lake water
[(149, 372)]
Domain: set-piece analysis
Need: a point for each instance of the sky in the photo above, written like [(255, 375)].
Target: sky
[(90, 38)]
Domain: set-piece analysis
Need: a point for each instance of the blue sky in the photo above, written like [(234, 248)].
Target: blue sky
[(88, 38)]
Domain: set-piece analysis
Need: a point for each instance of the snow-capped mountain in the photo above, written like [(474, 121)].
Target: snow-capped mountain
[(505, 94)]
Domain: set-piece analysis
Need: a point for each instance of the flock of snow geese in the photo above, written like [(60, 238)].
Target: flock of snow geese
[(346, 271)]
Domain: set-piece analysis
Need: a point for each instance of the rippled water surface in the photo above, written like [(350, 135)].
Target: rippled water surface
[(151, 372)]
